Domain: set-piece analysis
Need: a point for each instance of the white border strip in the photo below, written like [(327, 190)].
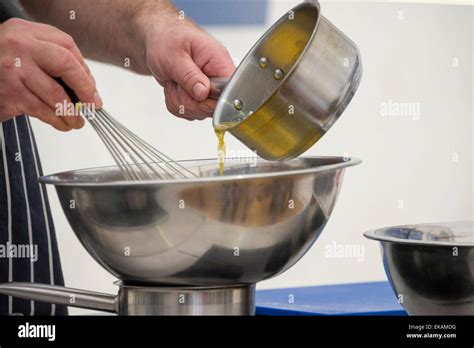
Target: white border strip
[(9, 210), (28, 213), (45, 213)]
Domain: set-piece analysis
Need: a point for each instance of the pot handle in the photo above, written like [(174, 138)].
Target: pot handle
[(217, 86), (61, 295)]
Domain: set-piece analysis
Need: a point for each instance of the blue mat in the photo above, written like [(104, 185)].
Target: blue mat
[(376, 298)]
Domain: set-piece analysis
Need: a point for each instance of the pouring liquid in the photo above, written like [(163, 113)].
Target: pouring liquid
[(221, 150), (220, 131)]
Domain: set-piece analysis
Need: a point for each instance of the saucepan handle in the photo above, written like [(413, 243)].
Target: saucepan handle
[(61, 295), (217, 86)]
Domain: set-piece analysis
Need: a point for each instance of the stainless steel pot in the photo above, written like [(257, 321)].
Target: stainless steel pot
[(292, 86), (144, 300)]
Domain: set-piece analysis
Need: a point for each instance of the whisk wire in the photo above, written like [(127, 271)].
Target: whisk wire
[(130, 153), (151, 162), (136, 159), (164, 160), (123, 165)]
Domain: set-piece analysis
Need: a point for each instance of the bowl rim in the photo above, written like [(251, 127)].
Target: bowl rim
[(344, 163), (372, 234)]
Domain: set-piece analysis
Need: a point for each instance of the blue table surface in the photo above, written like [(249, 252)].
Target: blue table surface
[(375, 298)]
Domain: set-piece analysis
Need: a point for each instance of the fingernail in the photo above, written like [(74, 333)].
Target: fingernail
[(199, 91), (97, 100)]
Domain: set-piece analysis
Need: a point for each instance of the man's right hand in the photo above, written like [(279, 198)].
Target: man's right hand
[(31, 56)]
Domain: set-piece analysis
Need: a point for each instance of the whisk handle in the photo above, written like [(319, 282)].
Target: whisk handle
[(217, 86), (68, 90), (8, 10)]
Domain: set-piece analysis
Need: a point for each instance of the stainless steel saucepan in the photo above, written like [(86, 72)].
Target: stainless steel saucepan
[(292, 86)]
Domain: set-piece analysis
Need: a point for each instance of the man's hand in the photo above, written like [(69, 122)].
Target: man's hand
[(31, 55), (151, 34), (182, 57)]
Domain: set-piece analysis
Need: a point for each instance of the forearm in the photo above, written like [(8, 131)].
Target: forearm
[(111, 31)]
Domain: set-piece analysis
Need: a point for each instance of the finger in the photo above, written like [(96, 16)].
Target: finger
[(192, 107), (213, 58), (74, 122), (37, 108), (172, 101), (170, 105), (188, 75), (208, 107), (59, 62), (71, 46), (161, 82), (51, 93), (221, 64), (49, 33)]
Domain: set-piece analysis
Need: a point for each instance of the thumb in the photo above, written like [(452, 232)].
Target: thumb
[(190, 77)]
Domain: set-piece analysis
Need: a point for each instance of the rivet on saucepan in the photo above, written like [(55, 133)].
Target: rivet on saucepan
[(264, 62), (278, 74), (238, 105)]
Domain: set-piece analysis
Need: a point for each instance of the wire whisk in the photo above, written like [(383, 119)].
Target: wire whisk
[(136, 159)]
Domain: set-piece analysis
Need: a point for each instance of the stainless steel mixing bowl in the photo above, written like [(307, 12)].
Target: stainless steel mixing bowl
[(252, 223), (430, 266)]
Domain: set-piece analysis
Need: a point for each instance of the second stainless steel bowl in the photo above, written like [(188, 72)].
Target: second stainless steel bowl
[(430, 266)]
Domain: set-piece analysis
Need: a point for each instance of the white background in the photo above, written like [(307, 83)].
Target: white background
[(409, 60)]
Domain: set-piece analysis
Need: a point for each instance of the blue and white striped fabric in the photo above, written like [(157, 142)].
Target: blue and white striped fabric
[(25, 220)]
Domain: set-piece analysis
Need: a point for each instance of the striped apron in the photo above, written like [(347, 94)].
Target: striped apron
[(28, 246)]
